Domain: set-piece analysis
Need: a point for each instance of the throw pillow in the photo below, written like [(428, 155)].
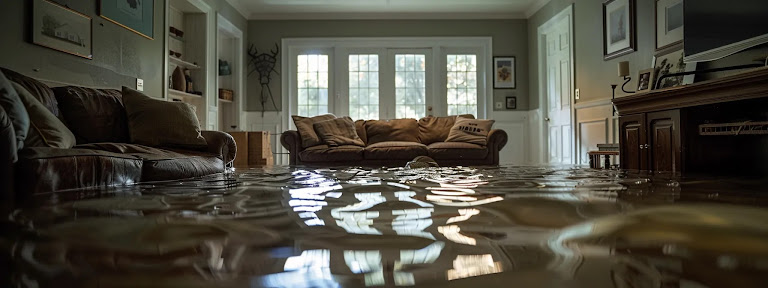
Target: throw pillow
[(45, 130), (159, 123), (404, 130), (435, 129), (473, 131), (93, 115), (8, 153), (307, 132), (14, 108), (337, 132)]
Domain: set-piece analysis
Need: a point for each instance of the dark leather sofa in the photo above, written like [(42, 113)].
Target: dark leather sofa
[(394, 143), (110, 160)]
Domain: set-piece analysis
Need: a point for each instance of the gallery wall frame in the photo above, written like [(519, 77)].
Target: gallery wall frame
[(511, 102), (59, 28), (137, 16), (668, 17), (504, 72), (619, 28)]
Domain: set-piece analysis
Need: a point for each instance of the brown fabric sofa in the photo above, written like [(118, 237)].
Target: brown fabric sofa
[(102, 156), (395, 142)]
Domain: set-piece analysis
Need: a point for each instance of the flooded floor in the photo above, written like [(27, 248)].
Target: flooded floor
[(431, 227)]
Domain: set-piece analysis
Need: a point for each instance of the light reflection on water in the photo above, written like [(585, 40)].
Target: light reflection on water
[(295, 227)]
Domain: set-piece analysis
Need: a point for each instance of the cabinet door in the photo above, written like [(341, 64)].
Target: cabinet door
[(664, 140), (632, 140)]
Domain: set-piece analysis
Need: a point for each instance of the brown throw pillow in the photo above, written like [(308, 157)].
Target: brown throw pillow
[(337, 132), (470, 131), (435, 129), (45, 130), (156, 123), (93, 115), (307, 132), (405, 130)]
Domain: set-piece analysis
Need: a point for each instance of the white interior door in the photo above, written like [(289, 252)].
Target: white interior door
[(558, 92)]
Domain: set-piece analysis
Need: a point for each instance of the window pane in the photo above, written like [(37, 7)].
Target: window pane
[(312, 81), (410, 85), (363, 83), (462, 84)]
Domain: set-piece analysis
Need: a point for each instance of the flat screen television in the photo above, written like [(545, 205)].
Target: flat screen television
[(714, 29)]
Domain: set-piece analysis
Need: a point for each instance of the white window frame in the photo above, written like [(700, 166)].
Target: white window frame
[(338, 88)]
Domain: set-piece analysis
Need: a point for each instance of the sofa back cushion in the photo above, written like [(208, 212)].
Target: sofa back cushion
[(404, 130), (338, 132), (93, 115), (306, 129), (45, 130), (158, 123), (42, 92), (435, 129)]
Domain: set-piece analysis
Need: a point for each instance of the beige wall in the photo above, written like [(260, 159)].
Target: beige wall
[(509, 39)]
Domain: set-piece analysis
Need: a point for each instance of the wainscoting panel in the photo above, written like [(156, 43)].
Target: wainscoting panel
[(515, 150), (591, 133), (595, 125)]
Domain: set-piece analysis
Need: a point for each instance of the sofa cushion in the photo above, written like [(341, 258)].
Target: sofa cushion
[(473, 131), (8, 154), (162, 164), (158, 123), (395, 150), (325, 153), (456, 150), (15, 110), (42, 92), (45, 130), (45, 169), (337, 132), (405, 130), (435, 129), (306, 129), (93, 115)]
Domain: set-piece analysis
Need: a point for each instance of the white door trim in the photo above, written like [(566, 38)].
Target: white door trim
[(543, 136)]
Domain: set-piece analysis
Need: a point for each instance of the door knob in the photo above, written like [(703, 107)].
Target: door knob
[(429, 108), (546, 119)]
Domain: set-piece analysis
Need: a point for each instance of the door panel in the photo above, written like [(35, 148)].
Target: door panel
[(632, 141), (664, 140), (558, 89)]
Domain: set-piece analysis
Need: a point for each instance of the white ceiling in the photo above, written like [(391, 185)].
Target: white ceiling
[(387, 9)]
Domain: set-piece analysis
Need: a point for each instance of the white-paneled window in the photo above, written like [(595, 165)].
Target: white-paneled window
[(364, 86), (312, 82), (461, 84), (410, 85)]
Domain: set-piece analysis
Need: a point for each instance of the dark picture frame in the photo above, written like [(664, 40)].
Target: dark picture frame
[(671, 62), (511, 103), (504, 76), (619, 28), (59, 28), (670, 17), (645, 80), (137, 16)]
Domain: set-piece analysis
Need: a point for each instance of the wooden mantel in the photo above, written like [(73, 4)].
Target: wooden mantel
[(748, 85)]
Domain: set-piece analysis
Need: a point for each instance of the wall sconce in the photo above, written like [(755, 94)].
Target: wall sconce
[(624, 72)]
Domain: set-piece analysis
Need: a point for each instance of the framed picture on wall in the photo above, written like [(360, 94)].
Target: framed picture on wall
[(135, 15), (511, 102), (618, 28), (60, 28), (669, 23), (504, 72)]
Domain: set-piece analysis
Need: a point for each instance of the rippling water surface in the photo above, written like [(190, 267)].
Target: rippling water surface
[(354, 227)]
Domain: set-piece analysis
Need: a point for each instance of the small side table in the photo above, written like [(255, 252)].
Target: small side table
[(253, 148), (594, 158)]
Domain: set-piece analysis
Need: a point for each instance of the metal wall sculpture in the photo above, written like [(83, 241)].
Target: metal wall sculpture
[(264, 65)]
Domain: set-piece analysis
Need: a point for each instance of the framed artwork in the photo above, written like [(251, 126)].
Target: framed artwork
[(511, 102), (618, 28), (504, 72), (63, 29), (669, 23), (671, 63), (644, 78), (135, 15)]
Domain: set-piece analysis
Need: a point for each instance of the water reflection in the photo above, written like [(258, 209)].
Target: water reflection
[(294, 227)]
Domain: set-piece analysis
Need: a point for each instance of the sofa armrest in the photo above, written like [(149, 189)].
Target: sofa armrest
[(292, 142), (220, 143), (497, 139)]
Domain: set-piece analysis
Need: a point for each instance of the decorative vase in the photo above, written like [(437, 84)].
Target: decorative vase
[(179, 82)]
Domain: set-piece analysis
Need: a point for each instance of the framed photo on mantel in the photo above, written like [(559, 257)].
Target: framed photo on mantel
[(60, 28), (618, 28)]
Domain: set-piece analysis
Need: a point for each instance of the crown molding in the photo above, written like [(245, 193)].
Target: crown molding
[(240, 7), (384, 16), (535, 7)]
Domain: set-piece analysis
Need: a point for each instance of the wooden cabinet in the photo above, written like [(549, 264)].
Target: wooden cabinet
[(651, 141)]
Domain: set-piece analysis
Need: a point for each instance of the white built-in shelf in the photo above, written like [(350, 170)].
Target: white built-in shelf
[(225, 101), (174, 37), (183, 94), (183, 63)]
